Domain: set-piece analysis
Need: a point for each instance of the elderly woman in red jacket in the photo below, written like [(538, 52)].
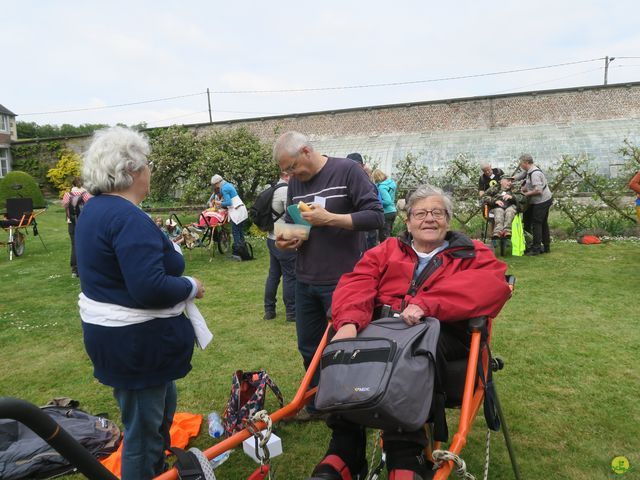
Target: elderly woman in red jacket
[(429, 271)]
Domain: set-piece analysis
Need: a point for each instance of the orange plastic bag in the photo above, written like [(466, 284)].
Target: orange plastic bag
[(184, 427)]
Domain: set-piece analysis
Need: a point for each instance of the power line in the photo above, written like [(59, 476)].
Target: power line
[(548, 81), (413, 82), (319, 89), (113, 106)]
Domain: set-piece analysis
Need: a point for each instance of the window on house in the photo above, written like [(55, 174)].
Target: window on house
[(4, 123), (4, 161)]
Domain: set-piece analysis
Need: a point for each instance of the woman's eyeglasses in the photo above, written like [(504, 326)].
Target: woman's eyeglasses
[(436, 213)]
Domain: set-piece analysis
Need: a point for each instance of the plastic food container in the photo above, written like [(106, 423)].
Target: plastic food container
[(289, 231)]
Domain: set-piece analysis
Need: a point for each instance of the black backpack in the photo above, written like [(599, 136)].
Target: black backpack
[(261, 213), (76, 204)]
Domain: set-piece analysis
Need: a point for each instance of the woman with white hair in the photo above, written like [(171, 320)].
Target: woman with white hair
[(133, 298), (429, 271)]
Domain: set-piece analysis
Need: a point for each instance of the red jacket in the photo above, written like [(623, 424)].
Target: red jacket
[(469, 282)]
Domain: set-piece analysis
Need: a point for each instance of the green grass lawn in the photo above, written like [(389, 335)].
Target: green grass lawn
[(569, 336)]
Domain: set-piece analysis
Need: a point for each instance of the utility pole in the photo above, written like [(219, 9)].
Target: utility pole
[(607, 61), (211, 118)]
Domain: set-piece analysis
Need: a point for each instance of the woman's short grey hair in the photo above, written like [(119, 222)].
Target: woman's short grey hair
[(290, 143), (113, 155), (426, 191)]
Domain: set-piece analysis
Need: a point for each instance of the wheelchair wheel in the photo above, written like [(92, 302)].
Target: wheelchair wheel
[(223, 240), (18, 244)]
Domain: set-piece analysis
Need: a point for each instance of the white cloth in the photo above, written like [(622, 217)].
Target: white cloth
[(113, 315), (237, 211)]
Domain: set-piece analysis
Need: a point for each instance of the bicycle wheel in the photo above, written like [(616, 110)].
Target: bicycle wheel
[(18, 244), (223, 240)]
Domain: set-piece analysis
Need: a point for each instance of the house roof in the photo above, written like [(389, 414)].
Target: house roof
[(6, 111)]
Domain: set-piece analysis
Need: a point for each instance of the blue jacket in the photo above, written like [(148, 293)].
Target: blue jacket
[(124, 258), (388, 189)]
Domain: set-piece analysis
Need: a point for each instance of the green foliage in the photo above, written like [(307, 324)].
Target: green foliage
[(29, 188), (67, 168), (172, 152), (605, 210), (36, 158), (409, 174), (33, 130), (239, 157), (183, 163)]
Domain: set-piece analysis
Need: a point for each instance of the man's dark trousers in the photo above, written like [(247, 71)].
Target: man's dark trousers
[(313, 302), (536, 222), (281, 263)]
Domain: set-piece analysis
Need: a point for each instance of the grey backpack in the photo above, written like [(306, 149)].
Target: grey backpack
[(384, 377)]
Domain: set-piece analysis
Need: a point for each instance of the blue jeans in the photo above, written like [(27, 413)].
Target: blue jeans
[(282, 263), (313, 302), (238, 236), (147, 415)]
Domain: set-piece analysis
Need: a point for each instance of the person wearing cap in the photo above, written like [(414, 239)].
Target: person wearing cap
[(225, 195), (173, 231), (343, 204), (490, 177), (504, 206)]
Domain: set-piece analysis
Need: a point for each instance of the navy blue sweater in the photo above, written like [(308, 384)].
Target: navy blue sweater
[(124, 258), (331, 251)]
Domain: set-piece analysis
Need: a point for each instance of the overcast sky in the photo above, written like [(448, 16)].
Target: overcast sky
[(65, 55)]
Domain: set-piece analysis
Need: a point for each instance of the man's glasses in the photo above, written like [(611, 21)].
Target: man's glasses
[(291, 168), (436, 213)]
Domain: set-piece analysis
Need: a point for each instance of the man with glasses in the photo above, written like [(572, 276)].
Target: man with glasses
[(344, 204)]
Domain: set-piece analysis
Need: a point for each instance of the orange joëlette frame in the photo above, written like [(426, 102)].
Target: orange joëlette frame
[(472, 399), (302, 397)]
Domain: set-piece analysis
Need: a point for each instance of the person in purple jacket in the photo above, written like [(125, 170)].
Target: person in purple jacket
[(344, 204), (133, 298)]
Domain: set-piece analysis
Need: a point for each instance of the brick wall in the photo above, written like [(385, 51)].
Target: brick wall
[(547, 124)]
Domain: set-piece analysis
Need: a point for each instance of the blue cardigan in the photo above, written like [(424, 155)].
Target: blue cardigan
[(124, 258)]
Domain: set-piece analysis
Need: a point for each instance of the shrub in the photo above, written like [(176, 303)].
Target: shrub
[(67, 168), (28, 188)]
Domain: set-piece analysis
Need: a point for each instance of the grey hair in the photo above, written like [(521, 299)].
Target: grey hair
[(526, 158), (426, 191), (484, 165), (113, 155), (290, 143)]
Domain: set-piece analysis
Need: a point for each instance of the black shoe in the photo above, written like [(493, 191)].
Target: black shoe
[(546, 250), (532, 253), (269, 315), (291, 317)]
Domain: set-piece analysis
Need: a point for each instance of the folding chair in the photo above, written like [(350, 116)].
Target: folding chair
[(488, 222), (19, 215)]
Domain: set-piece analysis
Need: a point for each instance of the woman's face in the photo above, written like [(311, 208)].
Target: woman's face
[(428, 223)]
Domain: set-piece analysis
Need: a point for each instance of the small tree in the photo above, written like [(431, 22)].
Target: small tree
[(239, 157), (172, 152), (67, 168)]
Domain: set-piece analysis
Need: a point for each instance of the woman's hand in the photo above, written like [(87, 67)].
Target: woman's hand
[(348, 330), (200, 285), (412, 314)]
